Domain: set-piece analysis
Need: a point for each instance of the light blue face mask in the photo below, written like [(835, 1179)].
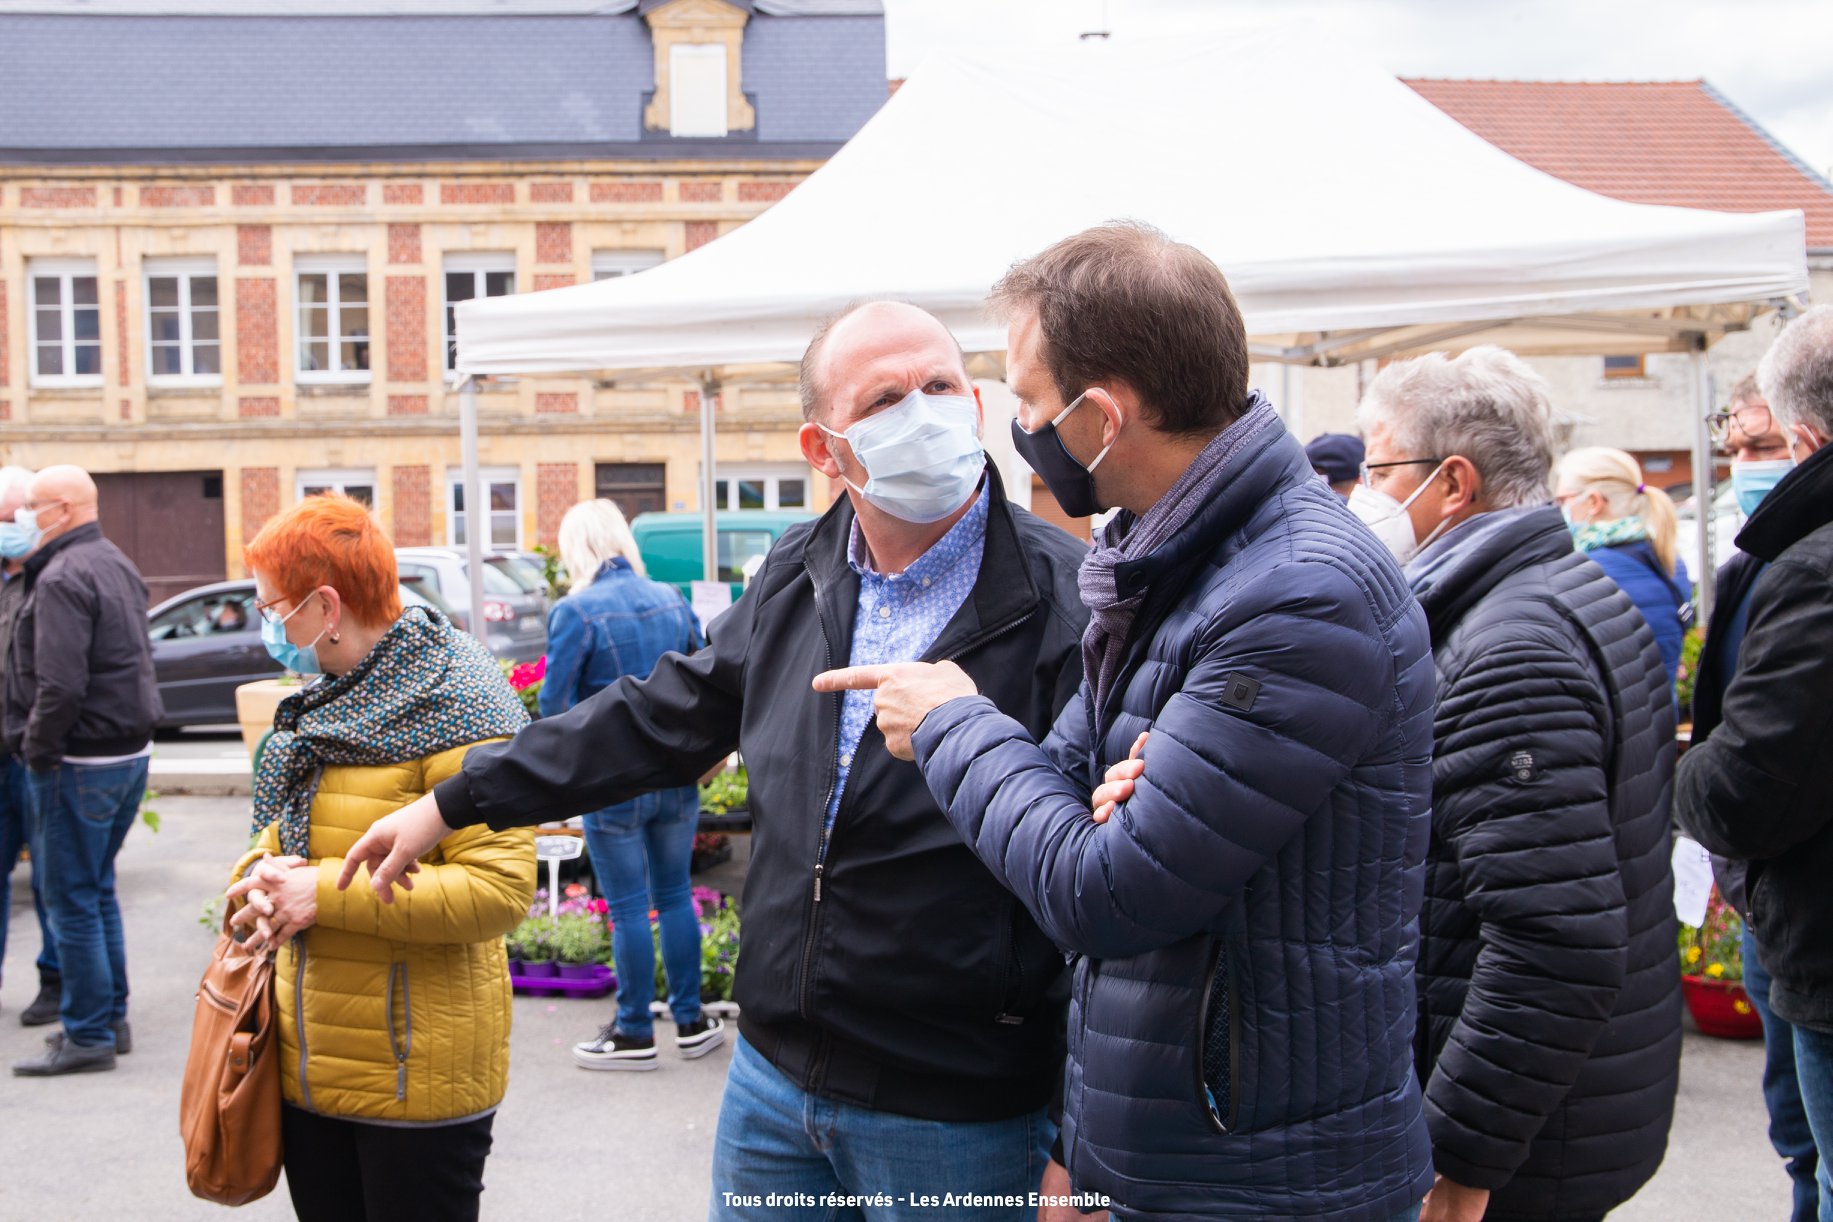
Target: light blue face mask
[(300, 659), (1751, 481), (922, 457), (17, 542)]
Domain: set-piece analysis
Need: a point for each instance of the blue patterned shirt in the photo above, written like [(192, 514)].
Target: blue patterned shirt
[(900, 617)]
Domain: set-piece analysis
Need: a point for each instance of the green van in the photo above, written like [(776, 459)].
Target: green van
[(670, 543)]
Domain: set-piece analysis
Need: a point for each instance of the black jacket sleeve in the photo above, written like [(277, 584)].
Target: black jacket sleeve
[(633, 737), (1521, 812), (1758, 786), (63, 621)]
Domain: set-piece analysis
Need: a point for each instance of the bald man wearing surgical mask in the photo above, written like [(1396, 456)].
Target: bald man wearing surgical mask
[(80, 707)]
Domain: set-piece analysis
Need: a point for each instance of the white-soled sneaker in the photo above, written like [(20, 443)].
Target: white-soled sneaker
[(612, 1049), (700, 1037)]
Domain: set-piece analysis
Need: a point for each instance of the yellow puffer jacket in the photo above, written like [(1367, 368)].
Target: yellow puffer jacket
[(400, 1012)]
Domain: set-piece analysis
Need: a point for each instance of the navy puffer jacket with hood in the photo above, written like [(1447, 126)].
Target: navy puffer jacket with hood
[(1242, 1016)]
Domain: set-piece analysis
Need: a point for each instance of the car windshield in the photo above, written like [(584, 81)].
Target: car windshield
[(516, 570)]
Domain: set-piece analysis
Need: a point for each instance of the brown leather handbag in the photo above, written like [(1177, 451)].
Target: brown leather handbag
[(229, 1109)]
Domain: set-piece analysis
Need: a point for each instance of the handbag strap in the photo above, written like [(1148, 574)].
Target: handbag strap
[(1683, 604)]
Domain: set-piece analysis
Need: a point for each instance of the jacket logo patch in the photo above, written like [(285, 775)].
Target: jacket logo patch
[(1521, 763), (1239, 692)]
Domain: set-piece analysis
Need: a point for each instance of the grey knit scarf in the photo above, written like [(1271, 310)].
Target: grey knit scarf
[(1104, 641)]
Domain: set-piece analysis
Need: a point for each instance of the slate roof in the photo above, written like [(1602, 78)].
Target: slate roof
[(483, 83), (1653, 142)]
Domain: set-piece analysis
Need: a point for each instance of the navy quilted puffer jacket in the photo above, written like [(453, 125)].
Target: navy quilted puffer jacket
[(1549, 1036), (1242, 1018)]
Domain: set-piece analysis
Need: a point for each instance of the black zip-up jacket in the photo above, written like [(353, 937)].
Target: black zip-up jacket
[(1549, 1015), (79, 673), (892, 972), (1737, 577), (1760, 788)]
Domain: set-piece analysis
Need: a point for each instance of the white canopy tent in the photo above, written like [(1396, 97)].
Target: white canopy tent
[(1352, 217)]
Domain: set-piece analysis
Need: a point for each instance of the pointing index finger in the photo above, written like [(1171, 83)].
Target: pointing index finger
[(850, 678)]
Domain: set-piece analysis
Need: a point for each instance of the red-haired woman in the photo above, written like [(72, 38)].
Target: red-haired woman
[(394, 1020)]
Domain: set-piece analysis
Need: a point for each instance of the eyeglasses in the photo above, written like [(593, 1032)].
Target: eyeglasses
[(1368, 467), (1753, 420)]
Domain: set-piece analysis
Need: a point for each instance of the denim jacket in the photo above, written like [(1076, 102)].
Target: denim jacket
[(621, 624)]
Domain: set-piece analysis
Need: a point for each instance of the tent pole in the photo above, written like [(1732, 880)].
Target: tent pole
[(475, 511), (709, 544), (1702, 478)]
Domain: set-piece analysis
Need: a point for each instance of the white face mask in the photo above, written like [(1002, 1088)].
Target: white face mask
[(922, 456), (1388, 518)]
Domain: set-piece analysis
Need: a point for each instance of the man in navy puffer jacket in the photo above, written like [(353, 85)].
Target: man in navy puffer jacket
[(1245, 924)]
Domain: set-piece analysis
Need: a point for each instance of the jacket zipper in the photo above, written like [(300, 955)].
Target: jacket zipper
[(400, 1048), (299, 957), (806, 1002)]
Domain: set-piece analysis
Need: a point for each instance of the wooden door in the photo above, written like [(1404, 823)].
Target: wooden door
[(170, 524)]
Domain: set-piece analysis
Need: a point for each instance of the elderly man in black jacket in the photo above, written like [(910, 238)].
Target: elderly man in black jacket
[(1549, 1034), (81, 705), (902, 1014), (1760, 789)]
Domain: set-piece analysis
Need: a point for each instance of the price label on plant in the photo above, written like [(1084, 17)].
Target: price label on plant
[(1692, 881)]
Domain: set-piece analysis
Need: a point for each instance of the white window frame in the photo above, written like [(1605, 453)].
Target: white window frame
[(63, 271), (337, 479), (610, 264), (478, 264), (331, 267), (455, 478), (771, 476), (184, 270), (692, 115)]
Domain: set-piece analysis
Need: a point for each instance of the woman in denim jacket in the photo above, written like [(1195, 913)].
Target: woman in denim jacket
[(617, 622)]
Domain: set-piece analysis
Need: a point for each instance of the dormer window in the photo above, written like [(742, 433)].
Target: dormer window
[(699, 74), (697, 89)]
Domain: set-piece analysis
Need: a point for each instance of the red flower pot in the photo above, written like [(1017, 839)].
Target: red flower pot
[(1721, 1008)]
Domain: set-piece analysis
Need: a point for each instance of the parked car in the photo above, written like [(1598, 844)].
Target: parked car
[(670, 544), (207, 643), (515, 606)]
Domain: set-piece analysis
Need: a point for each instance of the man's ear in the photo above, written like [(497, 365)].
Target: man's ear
[(817, 448), (1463, 485), (1118, 405), (1808, 438)]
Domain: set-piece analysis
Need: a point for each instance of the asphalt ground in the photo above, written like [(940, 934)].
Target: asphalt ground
[(568, 1143)]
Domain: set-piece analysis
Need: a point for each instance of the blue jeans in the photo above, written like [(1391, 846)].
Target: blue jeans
[(15, 830), (641, 851), (776, 1138), (1788, 1120), (1814, 1072), (83, 813)]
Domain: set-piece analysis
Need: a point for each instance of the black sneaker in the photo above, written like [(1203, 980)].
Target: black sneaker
[(612, 1049), (43, 1010), (700, 1037), (62, 1057), (124, 1037)]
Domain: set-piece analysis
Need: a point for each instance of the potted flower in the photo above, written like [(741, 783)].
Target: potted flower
[(581, 943), (526, 679), (1712, 974), (535, 936)]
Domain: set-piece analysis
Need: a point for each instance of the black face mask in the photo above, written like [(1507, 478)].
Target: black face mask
[(1072, 484)]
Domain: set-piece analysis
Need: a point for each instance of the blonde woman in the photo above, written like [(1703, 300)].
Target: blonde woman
[(1628, 528), (618, 623)]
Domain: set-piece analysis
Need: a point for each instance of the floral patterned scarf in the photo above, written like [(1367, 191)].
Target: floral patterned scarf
[(426, 687), (1589, 536)]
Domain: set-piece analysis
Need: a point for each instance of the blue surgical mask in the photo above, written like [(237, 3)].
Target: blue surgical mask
[(17, 541), (1751, 481), (300, 659), (922, 457)]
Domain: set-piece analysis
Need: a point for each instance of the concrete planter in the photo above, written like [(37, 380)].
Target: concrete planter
[(254, 708)]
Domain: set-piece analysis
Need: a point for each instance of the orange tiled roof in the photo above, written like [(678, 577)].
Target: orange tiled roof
[(1657, 142)]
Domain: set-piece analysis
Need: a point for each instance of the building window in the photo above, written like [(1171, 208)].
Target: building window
[(635, 488), (358, 485), (1624, 367), (762, 488), (610, 264), (333, 332), (503, 485), (183, 342), (697, 89), (472, 276), (65, 323)]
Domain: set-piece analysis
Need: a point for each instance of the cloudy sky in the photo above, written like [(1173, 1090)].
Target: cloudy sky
[(1774, 59)]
